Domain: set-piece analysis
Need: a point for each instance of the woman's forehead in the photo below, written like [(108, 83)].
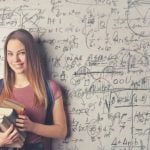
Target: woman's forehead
[(15, 45)]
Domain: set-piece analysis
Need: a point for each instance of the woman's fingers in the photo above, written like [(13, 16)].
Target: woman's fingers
[(24, 123), (21, 121), (22, 117), (14, 134), (10, 129), (11, 135)]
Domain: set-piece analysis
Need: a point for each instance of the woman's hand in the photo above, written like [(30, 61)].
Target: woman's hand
[(9, 136), (24, 123)]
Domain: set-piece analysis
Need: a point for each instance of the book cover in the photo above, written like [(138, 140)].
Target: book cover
[(10, 113), (9, 103)]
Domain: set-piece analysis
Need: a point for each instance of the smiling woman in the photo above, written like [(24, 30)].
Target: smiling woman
[(25, 82)]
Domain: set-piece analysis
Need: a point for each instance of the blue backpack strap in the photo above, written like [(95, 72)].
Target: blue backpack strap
[(49, 114), (1, 85)]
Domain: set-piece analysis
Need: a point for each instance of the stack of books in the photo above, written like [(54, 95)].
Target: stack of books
[(9, 109)]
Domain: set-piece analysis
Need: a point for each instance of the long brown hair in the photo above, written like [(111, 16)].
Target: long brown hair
[(34, 71)]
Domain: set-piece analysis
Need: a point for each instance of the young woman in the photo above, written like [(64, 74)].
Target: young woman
[(24, 82)]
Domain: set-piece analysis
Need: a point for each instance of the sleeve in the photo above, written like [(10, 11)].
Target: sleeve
[(55, 89)]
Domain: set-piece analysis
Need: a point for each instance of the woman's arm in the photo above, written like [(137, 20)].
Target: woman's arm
[(57, 130)]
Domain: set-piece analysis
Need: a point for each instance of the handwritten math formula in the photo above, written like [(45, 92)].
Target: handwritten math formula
[(99, 50)]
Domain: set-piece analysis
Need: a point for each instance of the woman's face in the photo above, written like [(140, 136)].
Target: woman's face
[(16, 56)]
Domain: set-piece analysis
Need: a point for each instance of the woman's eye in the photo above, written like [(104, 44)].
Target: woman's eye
[(23, 53), (9, 54)]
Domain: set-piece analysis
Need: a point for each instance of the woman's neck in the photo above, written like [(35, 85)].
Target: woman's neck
[(21, 81)]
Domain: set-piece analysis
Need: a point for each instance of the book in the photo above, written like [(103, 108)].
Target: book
[(9, 109), (9, 113), (10, 103), (4, 125)]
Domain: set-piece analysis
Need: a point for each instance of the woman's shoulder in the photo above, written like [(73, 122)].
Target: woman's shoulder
[(55, 88), (52, 83)]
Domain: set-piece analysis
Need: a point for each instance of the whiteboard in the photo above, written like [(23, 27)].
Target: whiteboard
[(99, 52)]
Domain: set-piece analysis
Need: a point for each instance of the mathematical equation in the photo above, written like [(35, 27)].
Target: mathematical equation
[(99, 51)]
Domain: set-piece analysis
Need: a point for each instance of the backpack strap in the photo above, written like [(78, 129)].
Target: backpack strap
[(1, 85), (49, 114)]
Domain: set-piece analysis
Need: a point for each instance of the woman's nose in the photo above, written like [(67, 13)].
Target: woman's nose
[(15, 58)]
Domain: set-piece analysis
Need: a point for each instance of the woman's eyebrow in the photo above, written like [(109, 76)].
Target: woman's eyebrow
[(17, 51)]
